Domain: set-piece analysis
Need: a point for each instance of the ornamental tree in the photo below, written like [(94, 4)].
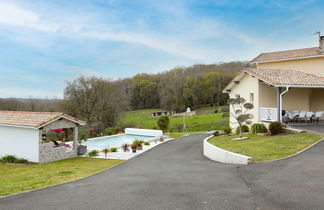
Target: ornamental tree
[(239, 112)]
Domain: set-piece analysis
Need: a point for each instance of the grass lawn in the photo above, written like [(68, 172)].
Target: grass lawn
[(180, 134), (204, 120), (265, 148), (20, 178)]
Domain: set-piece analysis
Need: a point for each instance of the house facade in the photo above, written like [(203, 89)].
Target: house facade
[(291, 80)]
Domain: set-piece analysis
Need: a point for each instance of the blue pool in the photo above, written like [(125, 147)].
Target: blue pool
[(115, 140)]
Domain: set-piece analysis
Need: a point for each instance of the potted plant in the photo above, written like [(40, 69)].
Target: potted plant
[(125, 147), (134, 147), (106, 151), (83, 136)]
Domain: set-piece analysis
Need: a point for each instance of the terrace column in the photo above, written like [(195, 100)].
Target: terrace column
[(279, 104), (75, 137)]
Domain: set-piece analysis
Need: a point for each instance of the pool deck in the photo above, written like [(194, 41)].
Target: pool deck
[(121, 155)]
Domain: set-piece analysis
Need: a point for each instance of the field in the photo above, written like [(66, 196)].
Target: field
[(265, 148), (20, 178), (205, 120)]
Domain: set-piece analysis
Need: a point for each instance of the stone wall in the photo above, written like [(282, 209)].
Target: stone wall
[(49, 153)]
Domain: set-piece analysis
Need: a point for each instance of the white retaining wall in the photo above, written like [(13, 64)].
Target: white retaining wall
[(223, 156), (19, 141), (144, 132)]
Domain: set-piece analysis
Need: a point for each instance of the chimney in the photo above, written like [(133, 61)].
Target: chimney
[(321, 43)]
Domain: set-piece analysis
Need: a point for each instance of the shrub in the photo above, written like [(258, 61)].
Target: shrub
[(163, 123), (12, 159), (21, 160), (224, 109), (227, 130), (108, 131), (125, 147), (9, 159), (93, 153), (275, 128), (245, 129), (113, 149), (216, 133), (146, 143), (259, 128), (106, 151), (216, 111)]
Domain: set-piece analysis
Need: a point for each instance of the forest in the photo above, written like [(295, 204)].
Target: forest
[(101, 101)]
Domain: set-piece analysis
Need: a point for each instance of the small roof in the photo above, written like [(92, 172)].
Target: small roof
[(288, 54), (280, 78), (33, 119)]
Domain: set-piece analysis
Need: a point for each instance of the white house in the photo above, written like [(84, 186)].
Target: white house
[(21, 135), (284, 86)]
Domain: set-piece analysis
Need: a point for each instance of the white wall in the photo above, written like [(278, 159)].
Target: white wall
[(21, 142), (224, 156), (247, 85)]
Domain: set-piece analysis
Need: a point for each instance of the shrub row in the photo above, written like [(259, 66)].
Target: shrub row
[(274, 128)]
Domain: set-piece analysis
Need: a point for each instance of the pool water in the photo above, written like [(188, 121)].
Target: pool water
[(115, 140)]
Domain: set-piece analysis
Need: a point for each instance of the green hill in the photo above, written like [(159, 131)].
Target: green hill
[(205, 120)]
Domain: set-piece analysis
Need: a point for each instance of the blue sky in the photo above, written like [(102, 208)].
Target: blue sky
[(44, 43)]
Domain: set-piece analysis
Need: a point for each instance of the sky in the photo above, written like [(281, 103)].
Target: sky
[(45, 43)]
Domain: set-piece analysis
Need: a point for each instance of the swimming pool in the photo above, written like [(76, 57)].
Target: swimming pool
[(115, 140)]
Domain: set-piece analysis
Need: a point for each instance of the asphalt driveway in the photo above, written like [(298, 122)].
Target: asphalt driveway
[(176, 175)]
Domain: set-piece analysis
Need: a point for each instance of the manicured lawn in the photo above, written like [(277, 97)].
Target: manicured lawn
[(265, 148), (19, 178), (204, 120), (180, 134)]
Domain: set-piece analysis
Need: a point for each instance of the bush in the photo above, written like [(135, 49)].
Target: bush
[(9, 159), (93, 153), (227, 130), (108, 131), (275, 128), (224, 109), (216, 111), (113, 149), (258, 128), (12, 159), (21, 160), (216, 133), (163, 123), (146, 143), (245, 129)]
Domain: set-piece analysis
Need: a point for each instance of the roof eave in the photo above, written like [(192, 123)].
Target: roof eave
[(286, 59)]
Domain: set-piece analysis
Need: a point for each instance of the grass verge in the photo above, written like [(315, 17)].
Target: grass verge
[(20, 178), (266, 148)]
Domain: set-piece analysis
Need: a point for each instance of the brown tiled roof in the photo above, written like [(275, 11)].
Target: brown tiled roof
[(282, 77), (32, 119), (288, 54)]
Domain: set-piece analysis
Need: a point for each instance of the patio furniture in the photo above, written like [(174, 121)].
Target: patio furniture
[(319, 116), (302, 116), (309, 116)]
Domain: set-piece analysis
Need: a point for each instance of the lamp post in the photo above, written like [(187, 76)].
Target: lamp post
[(185, 131)]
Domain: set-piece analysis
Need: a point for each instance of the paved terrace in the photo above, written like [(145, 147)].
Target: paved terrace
[(175, 175)]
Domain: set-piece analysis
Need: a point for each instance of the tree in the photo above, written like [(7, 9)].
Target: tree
[(163, 123), (240, 109)]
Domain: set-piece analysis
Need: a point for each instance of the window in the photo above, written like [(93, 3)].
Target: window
[(237, 96), (251, 97)]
